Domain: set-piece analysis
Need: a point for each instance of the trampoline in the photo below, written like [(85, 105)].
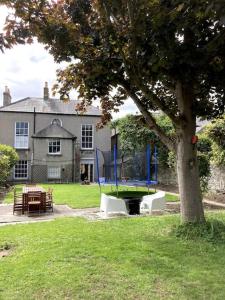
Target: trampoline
[(119, 169)]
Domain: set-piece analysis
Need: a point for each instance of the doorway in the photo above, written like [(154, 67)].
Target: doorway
[(86, 172)]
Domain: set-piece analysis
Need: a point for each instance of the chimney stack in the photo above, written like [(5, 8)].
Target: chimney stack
[(6, 96), (46, 92)]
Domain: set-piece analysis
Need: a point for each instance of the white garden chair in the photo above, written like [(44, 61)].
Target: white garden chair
[(110, 204), (153, 202)]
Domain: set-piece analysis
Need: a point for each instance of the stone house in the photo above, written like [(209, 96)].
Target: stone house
[(54, 141)]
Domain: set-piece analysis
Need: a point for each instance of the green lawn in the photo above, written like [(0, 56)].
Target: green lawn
[(135, 258), (81, 196)]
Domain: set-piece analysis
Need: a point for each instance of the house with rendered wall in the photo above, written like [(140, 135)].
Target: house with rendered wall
[(54, 141)]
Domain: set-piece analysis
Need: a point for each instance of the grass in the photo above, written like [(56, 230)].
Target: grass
[(211, 231), (81, 196), (135, 258)]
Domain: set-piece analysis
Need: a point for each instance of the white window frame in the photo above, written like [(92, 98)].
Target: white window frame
[(53, 141), (21, 178), (25, 137), (58, 171), (87, 148)]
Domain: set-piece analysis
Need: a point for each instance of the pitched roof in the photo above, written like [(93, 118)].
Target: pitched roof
[(53, 106), (54, 131)]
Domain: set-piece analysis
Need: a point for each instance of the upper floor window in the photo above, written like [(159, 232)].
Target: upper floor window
[(54, 146), (21, 135), (87, 136), (57, 122)]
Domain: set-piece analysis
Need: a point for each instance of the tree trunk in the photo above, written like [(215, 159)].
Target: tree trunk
[(187, 164), (188, 178)]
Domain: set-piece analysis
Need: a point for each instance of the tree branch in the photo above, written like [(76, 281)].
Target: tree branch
[(156, 100), (150, 120)]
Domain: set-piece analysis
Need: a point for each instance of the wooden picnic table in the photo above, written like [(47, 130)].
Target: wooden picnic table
[(26, 190)]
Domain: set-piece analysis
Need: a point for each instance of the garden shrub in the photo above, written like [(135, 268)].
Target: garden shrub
[(216, 133), (10, 152), (204, 170), (8, 158), (4, 169)]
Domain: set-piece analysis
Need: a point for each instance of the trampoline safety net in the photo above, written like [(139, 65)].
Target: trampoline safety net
[(131, 169)]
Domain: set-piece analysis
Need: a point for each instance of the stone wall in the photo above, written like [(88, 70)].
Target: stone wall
[(217, 179), (167, 176)]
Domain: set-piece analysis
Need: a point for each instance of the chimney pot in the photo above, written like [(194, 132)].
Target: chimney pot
[(46, 91), (6, 96)]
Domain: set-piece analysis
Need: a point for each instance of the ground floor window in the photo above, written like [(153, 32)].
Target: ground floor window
[(86, 172), (21, 170), (54, 172)]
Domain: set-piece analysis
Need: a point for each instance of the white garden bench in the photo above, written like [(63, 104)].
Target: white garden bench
[(153, 202), (149, 203), (110, 204)]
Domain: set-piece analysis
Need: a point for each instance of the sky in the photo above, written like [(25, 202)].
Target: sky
[(25, 69)]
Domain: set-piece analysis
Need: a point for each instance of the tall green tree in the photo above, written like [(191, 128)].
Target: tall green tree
[(164, 54), (134, 135)]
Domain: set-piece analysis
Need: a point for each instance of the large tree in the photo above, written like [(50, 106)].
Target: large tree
[(166, 55)]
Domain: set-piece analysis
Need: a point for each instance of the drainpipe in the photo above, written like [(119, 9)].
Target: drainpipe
[(73, 154), (32, 156)]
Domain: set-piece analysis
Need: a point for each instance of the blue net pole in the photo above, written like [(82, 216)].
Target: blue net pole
[(156, 165), (148, 164), (115, 167), (97, 168)]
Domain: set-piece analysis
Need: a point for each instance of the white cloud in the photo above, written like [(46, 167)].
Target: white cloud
[(25, 68)]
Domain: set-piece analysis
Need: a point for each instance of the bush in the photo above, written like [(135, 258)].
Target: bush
[(8, 158), (5, 169), (204, 170), (10, 153), (204, 144), (218, 155), (216, 133)]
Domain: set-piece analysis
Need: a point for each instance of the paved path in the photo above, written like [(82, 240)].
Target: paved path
[(91, 214), (7, 217), (215, 204)]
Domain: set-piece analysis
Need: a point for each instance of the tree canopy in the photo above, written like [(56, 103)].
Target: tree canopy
[(148, 50)]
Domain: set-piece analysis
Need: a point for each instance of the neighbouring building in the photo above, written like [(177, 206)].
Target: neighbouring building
[(53, 140)]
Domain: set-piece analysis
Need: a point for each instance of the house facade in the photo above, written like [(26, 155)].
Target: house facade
[(54, 141)]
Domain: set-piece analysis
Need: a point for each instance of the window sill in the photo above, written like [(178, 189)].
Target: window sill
[(88, 149), (54, 154), (21, 148)]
